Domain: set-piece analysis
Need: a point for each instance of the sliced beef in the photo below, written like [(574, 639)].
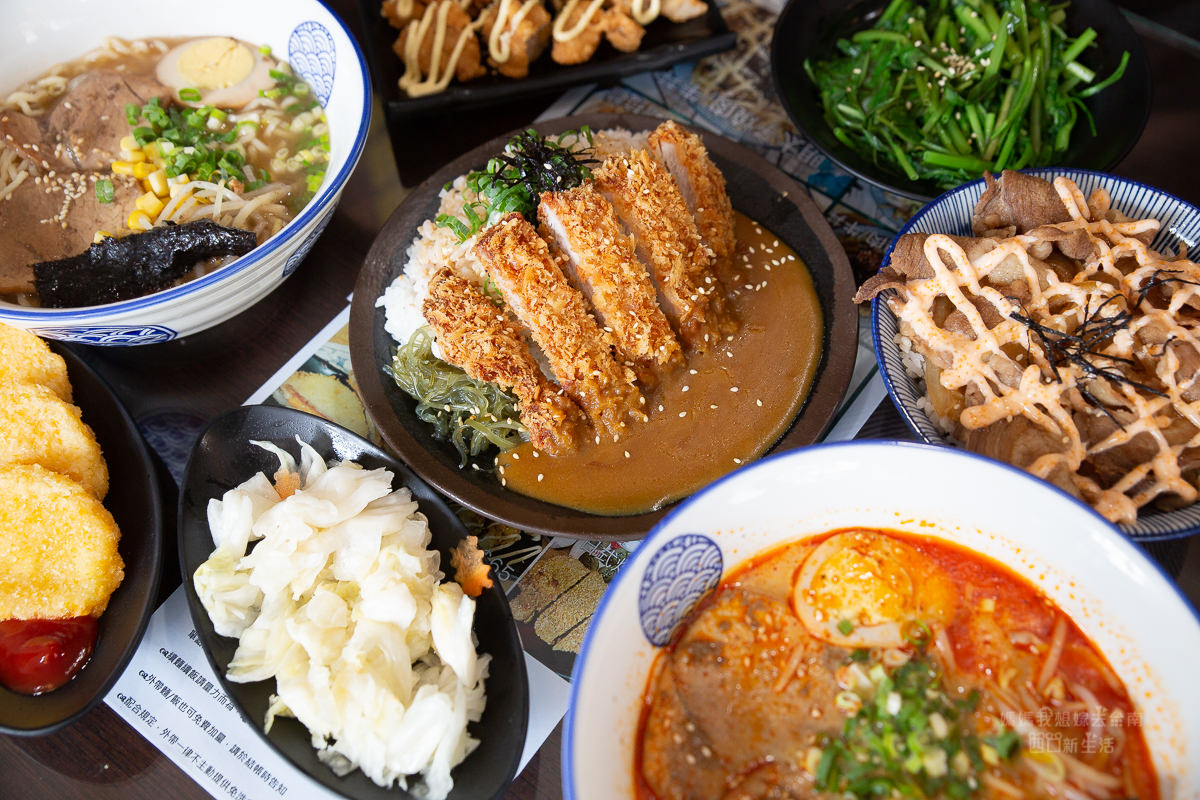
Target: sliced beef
[(908, 262), (1018, 202), (83, 131), (47, 219)]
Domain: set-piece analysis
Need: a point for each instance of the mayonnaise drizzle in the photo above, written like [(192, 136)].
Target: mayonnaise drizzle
[(439, 77), (560, 22), (1008, 386), (645, 11), (500, 40)]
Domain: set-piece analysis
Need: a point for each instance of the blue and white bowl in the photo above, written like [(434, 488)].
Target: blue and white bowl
[(1074, 556), (304, 32), (951, 214)]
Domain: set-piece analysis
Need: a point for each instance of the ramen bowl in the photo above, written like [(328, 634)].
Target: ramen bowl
[(951, 214), (1076, 559), (304, 33)]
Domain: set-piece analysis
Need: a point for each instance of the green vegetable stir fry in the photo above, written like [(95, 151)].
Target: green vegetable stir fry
[(943, 90)]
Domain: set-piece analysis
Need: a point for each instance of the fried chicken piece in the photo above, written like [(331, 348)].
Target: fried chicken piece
[(459, 38), (649, 205), (622, 31), (537, 292), (597, 255), (478, 337), (703, 188), (512, 48), (578, 30), (399, 13)]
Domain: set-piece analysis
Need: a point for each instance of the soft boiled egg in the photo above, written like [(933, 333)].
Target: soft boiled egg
[(227, 73), (865, 589)]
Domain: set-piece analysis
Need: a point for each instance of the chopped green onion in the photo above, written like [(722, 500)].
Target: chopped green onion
[(845, 627), (104, 191), (190, 95)]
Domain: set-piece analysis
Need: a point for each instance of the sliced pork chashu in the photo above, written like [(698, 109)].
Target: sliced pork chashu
[(649, 204), (477, 336), (597, 254), (535, 289)]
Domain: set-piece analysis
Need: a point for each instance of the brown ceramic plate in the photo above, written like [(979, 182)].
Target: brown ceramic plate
[(756, 188)]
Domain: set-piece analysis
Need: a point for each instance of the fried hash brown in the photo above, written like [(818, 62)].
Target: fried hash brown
[(58, 547)]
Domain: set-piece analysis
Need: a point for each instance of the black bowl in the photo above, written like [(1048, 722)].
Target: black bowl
[(809, 29), (756, 188), (224, 458), (135, 502)]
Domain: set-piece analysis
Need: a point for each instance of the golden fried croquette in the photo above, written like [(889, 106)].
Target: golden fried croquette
[(58, 547), (37, 427), (26, 358)]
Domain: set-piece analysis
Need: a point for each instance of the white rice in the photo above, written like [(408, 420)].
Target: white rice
[(433, 248)]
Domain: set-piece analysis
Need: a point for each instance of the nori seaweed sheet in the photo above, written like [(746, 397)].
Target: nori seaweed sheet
[(118, 268)]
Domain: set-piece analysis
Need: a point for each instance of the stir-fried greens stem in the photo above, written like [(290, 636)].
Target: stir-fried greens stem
[(998, 85)]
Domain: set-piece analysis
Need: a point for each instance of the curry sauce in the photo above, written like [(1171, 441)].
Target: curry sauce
[(721, 409)]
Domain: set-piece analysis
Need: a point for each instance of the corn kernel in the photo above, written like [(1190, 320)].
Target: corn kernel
[(129, 144), (143, 170), (122, 168), (101, 236), (157, 182), (139, 221), (136, 156), (150, 203)]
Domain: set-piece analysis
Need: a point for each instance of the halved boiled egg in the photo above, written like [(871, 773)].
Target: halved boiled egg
[(225, 72), (864, 589)]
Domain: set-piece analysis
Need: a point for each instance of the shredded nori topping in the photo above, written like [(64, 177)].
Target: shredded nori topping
[(120, 268), (515, 179)]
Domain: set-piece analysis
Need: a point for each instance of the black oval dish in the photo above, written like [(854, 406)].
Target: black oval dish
[(135, 502), (224, 458), (756, 188), (811, 28)]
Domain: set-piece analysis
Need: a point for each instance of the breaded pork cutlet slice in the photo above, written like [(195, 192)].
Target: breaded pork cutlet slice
[(597, 255), (703, 188), (477, 336), (24, 358), (650, 206), (37, 427), (555, 313), (58, 547)]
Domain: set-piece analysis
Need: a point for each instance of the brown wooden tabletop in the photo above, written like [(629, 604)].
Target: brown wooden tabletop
[(191, 380)]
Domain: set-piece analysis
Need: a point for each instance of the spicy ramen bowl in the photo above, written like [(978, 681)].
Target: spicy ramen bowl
[(951, 214), (936, 500), (305, 34)]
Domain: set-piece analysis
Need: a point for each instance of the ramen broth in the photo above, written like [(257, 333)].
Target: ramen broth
[(934, 672), (278, 146)]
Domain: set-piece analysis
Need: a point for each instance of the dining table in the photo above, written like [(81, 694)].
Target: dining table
[(174, 389)]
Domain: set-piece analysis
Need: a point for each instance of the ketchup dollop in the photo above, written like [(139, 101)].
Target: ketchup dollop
[(40, 655)]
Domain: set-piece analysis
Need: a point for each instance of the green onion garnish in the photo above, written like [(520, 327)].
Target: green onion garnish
[(189, 95), (104, 191)]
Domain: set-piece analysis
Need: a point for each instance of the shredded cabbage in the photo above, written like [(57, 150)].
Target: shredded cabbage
[(340, 600)]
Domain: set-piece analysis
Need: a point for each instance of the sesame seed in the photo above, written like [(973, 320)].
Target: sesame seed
[(627, 454), (713, 406), (691, 372), (540, 476), (733, 389), (758, 403), (686, 388), (737, 461), (682, 414), (516, 456)]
